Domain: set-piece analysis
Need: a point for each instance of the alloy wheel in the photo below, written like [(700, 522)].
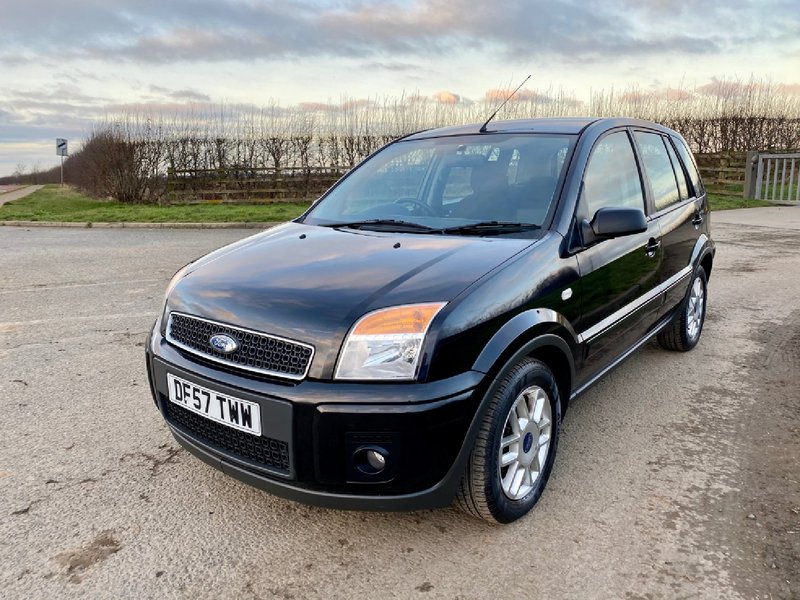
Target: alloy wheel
[(525, 443), (694, 309)]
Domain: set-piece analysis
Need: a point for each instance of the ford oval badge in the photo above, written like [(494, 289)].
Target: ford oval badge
[(223, 343)]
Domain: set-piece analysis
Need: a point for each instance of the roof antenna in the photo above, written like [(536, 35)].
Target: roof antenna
[(483, 127)]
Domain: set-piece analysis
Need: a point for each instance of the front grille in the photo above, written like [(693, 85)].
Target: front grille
[(263, 451), (257, 352)]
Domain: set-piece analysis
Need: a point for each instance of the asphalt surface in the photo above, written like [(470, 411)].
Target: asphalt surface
[(677, 475)]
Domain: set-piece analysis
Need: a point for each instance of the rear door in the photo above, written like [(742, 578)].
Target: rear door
[(676, 208), (619, 277)]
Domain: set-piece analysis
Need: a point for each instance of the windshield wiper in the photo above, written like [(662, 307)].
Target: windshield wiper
[(383, 224), (482, 227), (490, 227)]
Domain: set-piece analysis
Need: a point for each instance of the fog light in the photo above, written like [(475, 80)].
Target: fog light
[(371, 460), (376, 460)]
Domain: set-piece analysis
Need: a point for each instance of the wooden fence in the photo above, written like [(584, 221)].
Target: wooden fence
[(723, 173), (240, 185)]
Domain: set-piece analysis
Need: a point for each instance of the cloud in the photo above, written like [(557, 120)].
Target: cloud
[(394, 66), (117, 47), (39, 154), (723, 88), (637, 96), (447, 98), (315, 107), (185, 95), (789, 88), (155, 32), (523, 95), (55, 110)]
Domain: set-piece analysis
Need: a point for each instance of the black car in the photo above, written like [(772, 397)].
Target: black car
[(417, 335)]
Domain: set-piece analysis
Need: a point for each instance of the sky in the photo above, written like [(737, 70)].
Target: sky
[(65, 64)]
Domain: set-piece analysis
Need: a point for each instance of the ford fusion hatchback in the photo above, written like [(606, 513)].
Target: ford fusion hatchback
[(418, 334)]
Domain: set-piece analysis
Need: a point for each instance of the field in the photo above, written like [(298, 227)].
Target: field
[(68, 205)]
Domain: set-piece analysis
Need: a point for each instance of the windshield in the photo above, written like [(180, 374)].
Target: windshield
[(450, 182)]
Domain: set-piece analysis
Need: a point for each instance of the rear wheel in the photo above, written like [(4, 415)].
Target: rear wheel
[(514, 451), (683, 333)]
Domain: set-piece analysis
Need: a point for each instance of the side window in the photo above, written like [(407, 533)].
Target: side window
[(658, 168), (676, 166), (612, 177), (686, 157)]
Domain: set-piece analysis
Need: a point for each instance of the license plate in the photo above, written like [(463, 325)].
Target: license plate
[(227, 410)]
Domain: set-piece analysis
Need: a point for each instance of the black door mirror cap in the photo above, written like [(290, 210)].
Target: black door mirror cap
[(616, 222)]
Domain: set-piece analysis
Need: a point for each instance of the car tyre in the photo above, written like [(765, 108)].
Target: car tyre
[(523, 417), (683, 332)]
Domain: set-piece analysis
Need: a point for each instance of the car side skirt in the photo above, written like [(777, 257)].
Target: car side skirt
[(661, 324)]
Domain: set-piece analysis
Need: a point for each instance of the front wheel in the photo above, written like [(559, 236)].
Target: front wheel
[(514, 450), (683, 333)]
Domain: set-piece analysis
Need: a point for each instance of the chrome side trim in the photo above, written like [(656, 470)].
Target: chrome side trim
[(232, 364), (626, 310), (621, 358)]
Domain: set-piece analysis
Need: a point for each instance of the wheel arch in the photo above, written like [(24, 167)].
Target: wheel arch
[(703, 254), (538, 333), (707, 262)]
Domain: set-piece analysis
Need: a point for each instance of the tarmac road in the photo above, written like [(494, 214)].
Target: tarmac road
[(677, 475)]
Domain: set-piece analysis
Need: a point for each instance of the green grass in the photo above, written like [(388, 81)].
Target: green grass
[(719, 202), (716, 202), (52, 203)]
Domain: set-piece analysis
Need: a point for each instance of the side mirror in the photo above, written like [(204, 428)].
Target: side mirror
[(613, 222)]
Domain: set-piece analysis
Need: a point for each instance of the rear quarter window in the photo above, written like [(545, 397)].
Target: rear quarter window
[(683, 185), (688, 163)]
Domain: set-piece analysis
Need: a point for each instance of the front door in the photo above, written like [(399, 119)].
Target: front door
[(619, 277)]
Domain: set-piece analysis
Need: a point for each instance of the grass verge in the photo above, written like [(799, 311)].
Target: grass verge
[(728, 202), (53, 203)]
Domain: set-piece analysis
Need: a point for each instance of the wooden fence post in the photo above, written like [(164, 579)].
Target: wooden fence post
[(750, 166)]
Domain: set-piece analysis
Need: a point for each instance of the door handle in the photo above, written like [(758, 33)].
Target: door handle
[(652, 247), (698, 220)]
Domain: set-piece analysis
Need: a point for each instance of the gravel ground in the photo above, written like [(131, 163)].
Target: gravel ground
[(677, 475)]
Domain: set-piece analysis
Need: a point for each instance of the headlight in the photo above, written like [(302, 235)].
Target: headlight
[(387, 343)]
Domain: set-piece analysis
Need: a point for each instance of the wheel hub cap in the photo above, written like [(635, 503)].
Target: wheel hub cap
[(525, 445)]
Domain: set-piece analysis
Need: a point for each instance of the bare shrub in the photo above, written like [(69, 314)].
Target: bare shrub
[(129, 155)]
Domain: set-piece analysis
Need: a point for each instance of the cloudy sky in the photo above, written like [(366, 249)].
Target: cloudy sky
[(65, 63)]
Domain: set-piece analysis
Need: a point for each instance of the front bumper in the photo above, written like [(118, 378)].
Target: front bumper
[(427, 430)]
